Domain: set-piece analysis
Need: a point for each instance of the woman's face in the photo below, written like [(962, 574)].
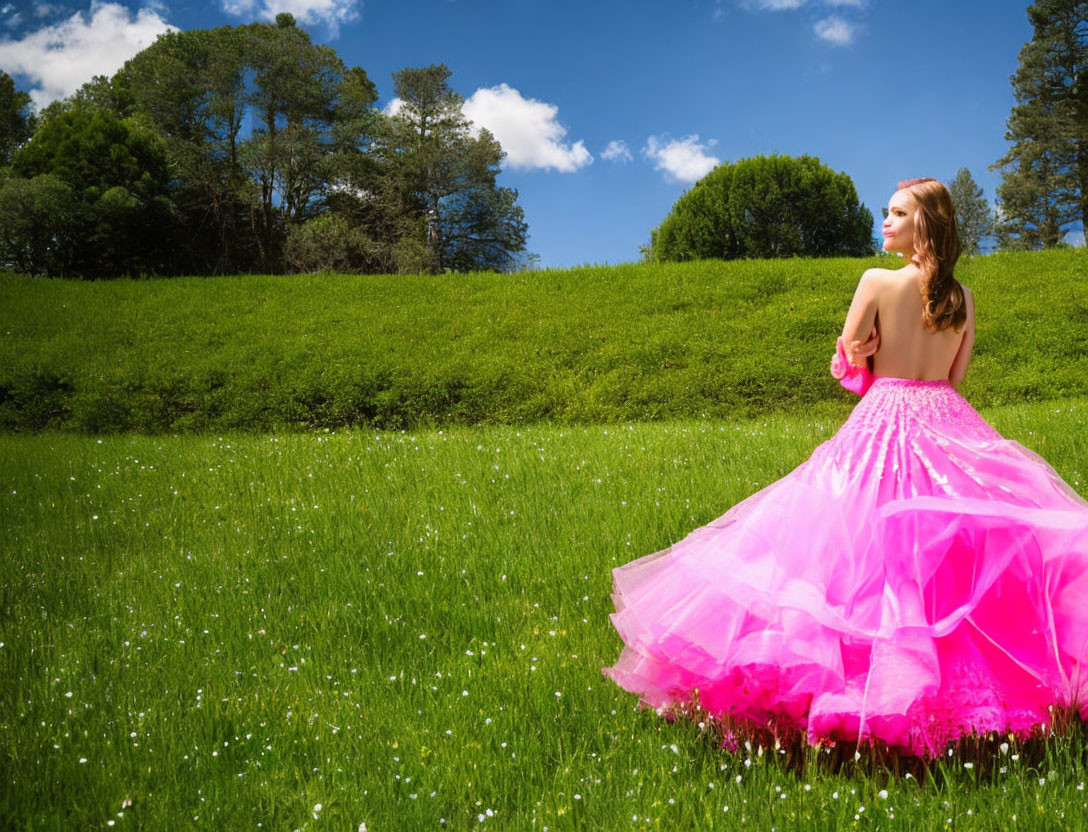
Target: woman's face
[(899, 224)]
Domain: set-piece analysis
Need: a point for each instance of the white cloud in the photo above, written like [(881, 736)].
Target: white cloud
[(835, 30), (683, 160), (790, 5), (617, 151), (60, 58), (777, 5), (526, 128), (330, 12), (1075, 238)]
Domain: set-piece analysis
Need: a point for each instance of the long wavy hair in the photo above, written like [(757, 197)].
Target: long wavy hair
[(937, 247)]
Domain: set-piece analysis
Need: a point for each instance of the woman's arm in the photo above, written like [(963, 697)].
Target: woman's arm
[(858, 351), (963, 355), (862, 315)]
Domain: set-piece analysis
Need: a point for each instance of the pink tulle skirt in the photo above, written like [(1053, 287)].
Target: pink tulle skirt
[(917, 579)]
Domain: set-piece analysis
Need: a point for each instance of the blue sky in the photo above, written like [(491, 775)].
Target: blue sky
[(609, 111)]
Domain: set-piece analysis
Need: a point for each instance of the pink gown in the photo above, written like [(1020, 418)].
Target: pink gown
[(917, 579)]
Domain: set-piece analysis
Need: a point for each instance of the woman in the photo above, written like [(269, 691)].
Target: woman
[(916, 580)]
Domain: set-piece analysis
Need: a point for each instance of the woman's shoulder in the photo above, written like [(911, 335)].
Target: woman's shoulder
[(968, 296), (879, 277), (875, 277), (968, 302)]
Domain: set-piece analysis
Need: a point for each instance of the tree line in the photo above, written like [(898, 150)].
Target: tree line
[(250, 148)]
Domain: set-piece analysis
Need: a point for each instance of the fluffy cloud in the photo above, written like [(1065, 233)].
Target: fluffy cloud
[(60, 58), (617, 151), (835, 30), (330, 12), (777, 5), (682, 160), (790, 5), (526, 128)]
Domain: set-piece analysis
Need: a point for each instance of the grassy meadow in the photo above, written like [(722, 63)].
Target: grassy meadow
[(407, 630), (360, 628)]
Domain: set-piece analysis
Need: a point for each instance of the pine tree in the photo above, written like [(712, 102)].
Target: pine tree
[(1044, 191), (972, 211), (437, 182), (17, 120)]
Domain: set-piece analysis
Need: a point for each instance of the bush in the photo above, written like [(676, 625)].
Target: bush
[(699, 227), (329, 243), (766, 206)]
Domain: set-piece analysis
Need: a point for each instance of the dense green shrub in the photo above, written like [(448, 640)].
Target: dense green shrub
[(699, 225), (329, 243), (766, 206)]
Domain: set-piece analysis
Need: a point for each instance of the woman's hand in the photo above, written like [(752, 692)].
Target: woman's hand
[(858, 351)]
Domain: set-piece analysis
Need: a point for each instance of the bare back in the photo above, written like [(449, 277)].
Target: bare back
[(892, 300)]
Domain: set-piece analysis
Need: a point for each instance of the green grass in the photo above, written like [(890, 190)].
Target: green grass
[(576, 346), (407, 628)]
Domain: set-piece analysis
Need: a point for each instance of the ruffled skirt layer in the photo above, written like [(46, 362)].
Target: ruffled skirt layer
[(917, 579)]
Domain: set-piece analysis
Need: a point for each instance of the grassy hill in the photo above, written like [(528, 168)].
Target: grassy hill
[(586, 345)]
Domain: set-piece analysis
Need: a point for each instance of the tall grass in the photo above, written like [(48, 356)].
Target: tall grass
[(405, 630), (588, 345)]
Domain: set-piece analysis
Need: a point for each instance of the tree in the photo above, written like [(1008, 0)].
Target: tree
[(100, 93), (212, 151), (117, 173), (437, 185), (351, 191), (16, 118), (191, 87), (972, 211), (258, 121), (293, 99), (39, 224), (698, 226), (1044, 191), (481, 227), (767, 206)]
